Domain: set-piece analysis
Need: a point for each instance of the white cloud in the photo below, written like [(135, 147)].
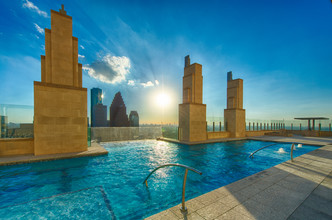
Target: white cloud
[(82, 47), (157, 82), (131, 82), (81, 56), (30, 5), (147, 84), (39, 29), (111, 69)]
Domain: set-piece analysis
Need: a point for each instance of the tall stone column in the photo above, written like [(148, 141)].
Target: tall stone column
[(60, 102), (192, 111), (234, 115)]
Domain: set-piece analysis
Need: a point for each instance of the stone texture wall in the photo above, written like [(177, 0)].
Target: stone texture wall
[(125, 133), (16, 146), (218, 134), (235, 115), (60, 102), (60, 120), (258, 133)]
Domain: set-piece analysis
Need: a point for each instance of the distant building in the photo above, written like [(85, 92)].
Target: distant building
[(96, 98), (133, 119), (100, 115), (3, 126), (118, 112)]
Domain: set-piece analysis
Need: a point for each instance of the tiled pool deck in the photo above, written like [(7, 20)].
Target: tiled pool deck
[(292, 190), (94, 150)]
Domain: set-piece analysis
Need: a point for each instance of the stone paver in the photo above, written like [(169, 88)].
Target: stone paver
[(94, 150), (292, 190)]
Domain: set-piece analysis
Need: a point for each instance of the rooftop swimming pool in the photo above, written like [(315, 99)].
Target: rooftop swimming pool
[(111, 186)]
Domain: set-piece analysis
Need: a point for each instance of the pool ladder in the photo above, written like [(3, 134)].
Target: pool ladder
[(183, 207), (292, 148)]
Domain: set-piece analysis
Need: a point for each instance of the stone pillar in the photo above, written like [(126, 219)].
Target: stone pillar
[(234, 115), (60, 102), (192, 111), (313, 124)]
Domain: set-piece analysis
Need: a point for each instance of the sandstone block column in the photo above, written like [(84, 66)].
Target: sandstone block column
[(234, 115), (60, 102), (192, 111)]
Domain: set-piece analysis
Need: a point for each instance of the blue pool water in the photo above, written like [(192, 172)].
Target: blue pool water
[(111, 187)]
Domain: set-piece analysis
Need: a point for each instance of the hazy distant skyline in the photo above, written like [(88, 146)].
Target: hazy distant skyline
[(281, 49)]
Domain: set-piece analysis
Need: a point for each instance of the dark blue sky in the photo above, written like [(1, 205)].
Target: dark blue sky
[(281, 49)]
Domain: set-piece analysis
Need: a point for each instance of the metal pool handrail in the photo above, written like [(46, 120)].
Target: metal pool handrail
[(291, 154), (252, 154), (183, 208)]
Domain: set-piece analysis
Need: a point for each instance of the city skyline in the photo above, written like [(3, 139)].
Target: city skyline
[(281, 50)]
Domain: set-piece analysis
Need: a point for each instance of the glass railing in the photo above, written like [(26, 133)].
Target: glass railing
[(16, 121)]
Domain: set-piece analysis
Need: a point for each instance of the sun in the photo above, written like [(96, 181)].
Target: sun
[(162, 100)]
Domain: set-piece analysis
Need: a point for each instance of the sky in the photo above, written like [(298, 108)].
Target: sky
[(281, 49)]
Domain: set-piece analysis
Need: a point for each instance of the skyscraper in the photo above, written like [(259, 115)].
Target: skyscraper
[(3, 126), (133, 119), (118, 114), (100, 115), (96, 98)]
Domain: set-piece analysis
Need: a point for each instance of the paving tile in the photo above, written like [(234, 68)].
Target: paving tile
[(233, 215), (192, 205), (305, 212), (280, 199), (255, 210), (213, 210), (234, 199), (301, 185), (320, 204), (209, 198), (164, 215), (193, 216)]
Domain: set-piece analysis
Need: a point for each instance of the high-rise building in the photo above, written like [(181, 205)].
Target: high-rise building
[(96, 98), (100, 115), (118, 114), (133, 119), (3, 126)]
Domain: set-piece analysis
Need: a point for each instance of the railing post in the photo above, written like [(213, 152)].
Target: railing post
[(183, 208), (291, 153), (300, 127), (260, 126), (330, 127), (257, 126), (213, 126), (319, 126), (220, 126), (253, 126), (249, 126), (292, 127)]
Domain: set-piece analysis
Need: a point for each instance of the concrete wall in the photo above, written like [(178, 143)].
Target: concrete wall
[(218, 134), (16, 146), (125, 133)]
